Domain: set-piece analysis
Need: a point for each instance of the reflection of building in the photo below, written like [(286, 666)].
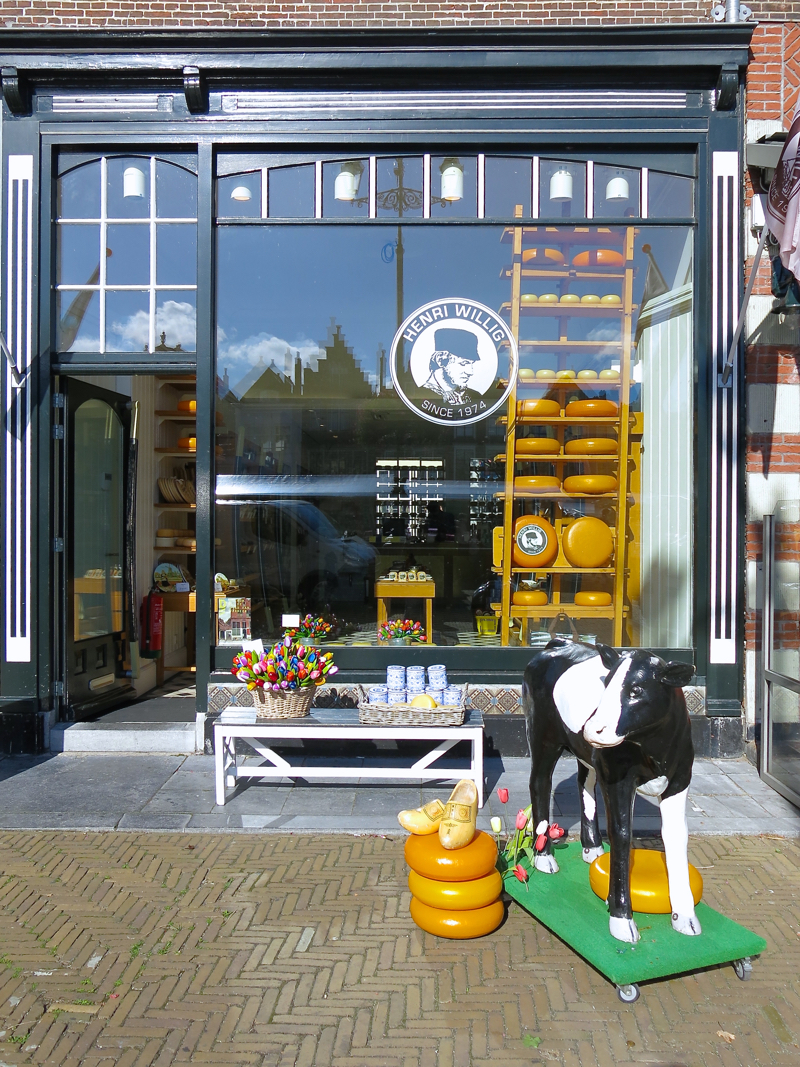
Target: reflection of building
[(405, 488)]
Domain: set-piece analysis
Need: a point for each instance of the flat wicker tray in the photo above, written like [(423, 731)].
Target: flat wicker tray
[(407, 715)]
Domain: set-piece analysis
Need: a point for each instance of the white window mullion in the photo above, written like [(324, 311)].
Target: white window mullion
[(643, 193), (535, 189), (152, 254), (481, 185), (426, 186), (590, 189), (103, 247), (264, 193)]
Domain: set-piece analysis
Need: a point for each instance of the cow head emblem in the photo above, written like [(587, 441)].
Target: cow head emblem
[(636, 698)]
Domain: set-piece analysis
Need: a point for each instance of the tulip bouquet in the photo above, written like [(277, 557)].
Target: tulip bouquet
[(525, 840), (389, 631), (313, 628), (287, 665)]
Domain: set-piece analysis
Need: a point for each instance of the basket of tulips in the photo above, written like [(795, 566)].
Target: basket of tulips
[(284, 678)]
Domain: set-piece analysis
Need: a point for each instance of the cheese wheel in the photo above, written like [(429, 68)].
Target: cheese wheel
[(528, 298), (589, 598), (587, 375), (424, 700), (542, 255), (187, 405), (546, 373), (544, 408), (649, 882), (456, 896), (428, 857), (609, 375), (532, 598), (611, 298), (458, 925), (526, 374), (590, 483), (187, 442), (570, 298), (598, 257), (536, 483), (594, 409), (587, 542), (535, 542), (538, 446), (563, 375), (590, 298), (591, 446), (548, 298)]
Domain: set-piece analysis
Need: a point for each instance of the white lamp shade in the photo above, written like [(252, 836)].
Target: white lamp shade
[(347, 181), (241, 192), (561, 186), (618, 189), (133, 182), (452, 179)]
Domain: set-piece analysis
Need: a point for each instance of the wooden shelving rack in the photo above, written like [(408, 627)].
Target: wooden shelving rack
[(569, 241)]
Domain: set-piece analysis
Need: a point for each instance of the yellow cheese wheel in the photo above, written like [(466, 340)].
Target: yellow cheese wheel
[(529, 597), (535, 542), (538, 446), (649, 882), (598, 257), (526, 374), (570, 298), (611, 298), (536, 483), (528, 298), (590, 483), (590, 298), (542, 255), (609, 375), (424, 700), (456, 896), (548, 298), (589, 598), (587, 375), (428, 857), (546, 374), (587, 542), (591, 446), (563, 375), (458, 925), (542, 408), (187, 442), (593, 409)]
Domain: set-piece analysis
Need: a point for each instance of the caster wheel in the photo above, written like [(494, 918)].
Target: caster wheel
[(628, 994), (743, 969)]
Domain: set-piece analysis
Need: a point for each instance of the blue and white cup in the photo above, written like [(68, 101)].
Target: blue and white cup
[(452, 695), (415, 679), (437, 694), (378, 694), (397, 696), (437, 676), (396, 677)]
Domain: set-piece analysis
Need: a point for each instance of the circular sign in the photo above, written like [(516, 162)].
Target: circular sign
[(535, 542), (532, 540), (447, 359)]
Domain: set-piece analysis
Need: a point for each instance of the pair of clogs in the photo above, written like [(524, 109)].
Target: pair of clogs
[(455, 821)]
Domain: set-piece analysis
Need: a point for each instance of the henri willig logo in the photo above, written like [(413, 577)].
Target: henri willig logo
[(447, 359)]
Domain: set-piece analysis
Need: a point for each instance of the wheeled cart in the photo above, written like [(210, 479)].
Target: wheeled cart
[(565, 904)]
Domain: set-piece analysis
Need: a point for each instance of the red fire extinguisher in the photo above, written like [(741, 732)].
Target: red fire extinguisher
[(152, 625)]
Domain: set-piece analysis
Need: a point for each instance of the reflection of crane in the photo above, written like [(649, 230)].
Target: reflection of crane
[(74, 315)]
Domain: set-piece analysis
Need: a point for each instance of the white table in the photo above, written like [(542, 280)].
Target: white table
[(339, 725)]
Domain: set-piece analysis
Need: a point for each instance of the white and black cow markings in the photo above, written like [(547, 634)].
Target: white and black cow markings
[(625, 719)]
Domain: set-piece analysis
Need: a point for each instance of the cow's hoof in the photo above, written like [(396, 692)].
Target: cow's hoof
[(591, 854), (686, 924), (623, 929), (546, 864)]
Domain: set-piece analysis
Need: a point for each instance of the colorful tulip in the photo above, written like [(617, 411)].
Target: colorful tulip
[(496, 823), (521, 875), (522, 819), (502, 796)]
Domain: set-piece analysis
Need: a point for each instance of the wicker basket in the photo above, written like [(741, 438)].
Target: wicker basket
[(284, 704), (407, 715)]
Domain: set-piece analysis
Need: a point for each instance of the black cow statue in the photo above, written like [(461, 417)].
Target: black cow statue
[(624, 718)]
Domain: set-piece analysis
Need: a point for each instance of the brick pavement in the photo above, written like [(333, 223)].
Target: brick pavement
[(131, 950)]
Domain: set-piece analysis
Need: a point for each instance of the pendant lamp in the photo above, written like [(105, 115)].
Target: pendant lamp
[(452, 172), (347, 181), (133, 182), (618, 188), (561, 186), (241, 192)]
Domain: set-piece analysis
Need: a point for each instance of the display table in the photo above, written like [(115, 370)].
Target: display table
[(385, 591), (338, 724)]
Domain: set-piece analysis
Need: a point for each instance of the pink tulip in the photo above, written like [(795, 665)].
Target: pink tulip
[(520, 874), (522, 819), (502, 796)]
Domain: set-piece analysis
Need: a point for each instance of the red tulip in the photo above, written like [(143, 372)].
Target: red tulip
[(502, 795), (554, 831), (522, 820), (541, 841), (520, 873)]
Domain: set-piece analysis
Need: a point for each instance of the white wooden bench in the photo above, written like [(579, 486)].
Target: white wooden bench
[(337, 724)]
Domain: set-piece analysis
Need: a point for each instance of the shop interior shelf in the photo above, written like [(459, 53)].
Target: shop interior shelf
[(178, 416), (562, 420), (192, 452), (518, 458), (581, 274), (176, 379), (599, 236), (556, 570), (549, 611), (559, 310), (563, 383), (163, 506), (521, 494), (178, 551)]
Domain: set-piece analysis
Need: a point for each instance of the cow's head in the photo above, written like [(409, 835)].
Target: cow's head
[(636, 698)]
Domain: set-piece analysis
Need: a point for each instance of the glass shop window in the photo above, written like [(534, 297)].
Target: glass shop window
[(379, 447), (126, 255)]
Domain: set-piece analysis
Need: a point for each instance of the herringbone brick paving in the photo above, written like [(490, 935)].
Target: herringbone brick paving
[(132, 950)]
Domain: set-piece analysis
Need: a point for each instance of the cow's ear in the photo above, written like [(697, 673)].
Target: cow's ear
[(608, 655), (676, 674)]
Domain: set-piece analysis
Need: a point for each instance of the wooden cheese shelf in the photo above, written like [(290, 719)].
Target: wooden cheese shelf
[(178, 416), (561, 420), (530, 495), (175, 507), (544, 571), (526, 458), (563, 383), (176, 452), (555, 309)]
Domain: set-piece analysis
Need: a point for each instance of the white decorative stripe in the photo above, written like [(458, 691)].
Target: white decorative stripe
[(524, 100), (66, 104), (18, 330), (724, 408)]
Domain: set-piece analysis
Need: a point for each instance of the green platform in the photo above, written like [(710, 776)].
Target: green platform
[(565, 904)]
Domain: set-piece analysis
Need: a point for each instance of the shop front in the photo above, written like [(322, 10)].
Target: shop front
[(418, 331)]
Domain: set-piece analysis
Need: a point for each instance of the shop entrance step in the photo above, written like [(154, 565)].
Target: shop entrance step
[(179, 738)]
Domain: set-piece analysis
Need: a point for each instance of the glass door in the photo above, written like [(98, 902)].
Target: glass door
[(98, 427)]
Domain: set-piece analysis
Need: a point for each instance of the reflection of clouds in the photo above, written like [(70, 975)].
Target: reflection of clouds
[(264, 349), (177, 319), (605, 333)]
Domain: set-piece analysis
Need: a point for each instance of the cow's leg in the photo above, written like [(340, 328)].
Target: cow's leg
[(675, 834), (619, 798), (591, 840), (544, 756)]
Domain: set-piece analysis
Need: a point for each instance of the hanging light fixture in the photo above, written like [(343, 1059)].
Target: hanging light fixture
[(618, 188), (348, 180), (561, 186), (241, 192), (133, 182), (452, 171)]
